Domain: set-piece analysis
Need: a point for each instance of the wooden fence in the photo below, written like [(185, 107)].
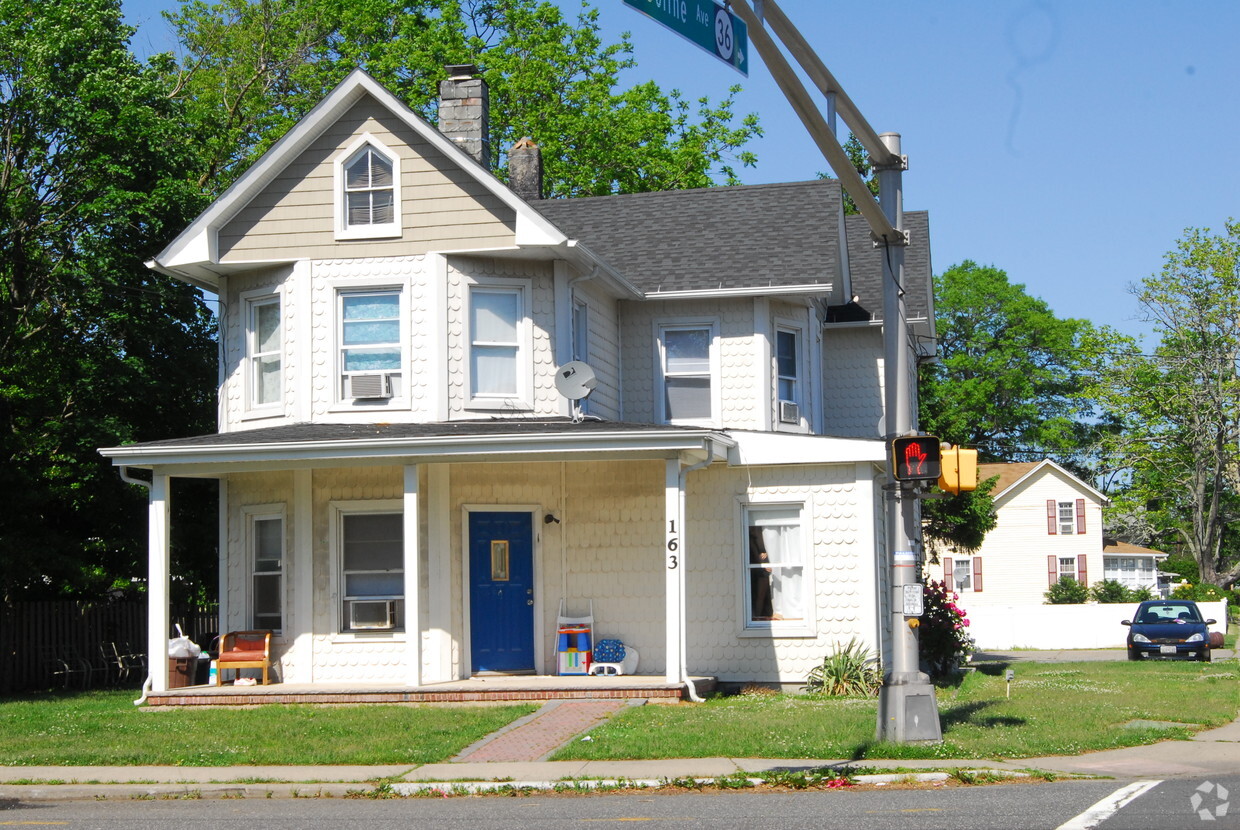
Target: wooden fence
[(35, 635)]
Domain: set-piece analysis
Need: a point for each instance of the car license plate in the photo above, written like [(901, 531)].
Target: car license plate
[(1166, 650)]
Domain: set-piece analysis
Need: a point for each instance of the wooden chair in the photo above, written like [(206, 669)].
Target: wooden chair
[(244, 650)]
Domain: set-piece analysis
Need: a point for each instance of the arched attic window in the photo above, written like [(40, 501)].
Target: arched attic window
[(368, 181)]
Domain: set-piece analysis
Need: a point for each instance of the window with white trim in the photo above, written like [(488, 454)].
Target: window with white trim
[(962, 574), (370, 342), (687, 368), (263, 352), (775, 574), (1130, 571), (1067, 566), (266, 538), (1067, 517), (367, 176), (372, 571), (788, 364), (499, 350)]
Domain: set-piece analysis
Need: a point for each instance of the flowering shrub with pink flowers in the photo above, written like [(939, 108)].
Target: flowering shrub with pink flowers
[(943, 633)]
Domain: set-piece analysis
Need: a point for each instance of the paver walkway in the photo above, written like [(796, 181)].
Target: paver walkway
[(536, 736)]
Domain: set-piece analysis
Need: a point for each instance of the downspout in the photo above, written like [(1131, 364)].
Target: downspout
[(684, 660), (126, 477)]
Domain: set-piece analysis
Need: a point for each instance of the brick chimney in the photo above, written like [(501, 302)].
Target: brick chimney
[(525, 171), (464, 109)]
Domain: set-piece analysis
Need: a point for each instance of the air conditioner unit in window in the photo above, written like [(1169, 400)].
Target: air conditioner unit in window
[(789, 412), (372, 614), (369, 387)]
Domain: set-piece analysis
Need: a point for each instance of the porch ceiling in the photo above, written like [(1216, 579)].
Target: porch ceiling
[(496, 440)]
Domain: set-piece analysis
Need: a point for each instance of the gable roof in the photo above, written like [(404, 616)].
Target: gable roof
[(764, 238), (1016, 472), (193, 255)]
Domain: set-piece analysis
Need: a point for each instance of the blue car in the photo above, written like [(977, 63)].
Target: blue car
[(1168, 629)]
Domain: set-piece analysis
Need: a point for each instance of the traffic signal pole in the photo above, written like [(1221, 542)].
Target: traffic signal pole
[(907, 707)]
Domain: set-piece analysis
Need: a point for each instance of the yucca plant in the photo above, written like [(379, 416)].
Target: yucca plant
[(851, 671)]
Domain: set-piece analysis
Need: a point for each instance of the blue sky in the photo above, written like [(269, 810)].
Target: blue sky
[(1069, 143)]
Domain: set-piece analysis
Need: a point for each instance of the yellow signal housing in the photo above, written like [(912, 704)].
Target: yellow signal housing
[(959, 470)]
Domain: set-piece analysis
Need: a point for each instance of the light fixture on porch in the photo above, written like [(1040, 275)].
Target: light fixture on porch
[(549, 518)]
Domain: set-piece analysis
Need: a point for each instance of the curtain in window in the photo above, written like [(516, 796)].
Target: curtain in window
[(775, 567), (495, 316)]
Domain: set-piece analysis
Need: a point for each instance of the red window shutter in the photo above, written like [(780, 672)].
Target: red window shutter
[(977, 574), (1052, 517), (1082, 575), (1080, 515), (949, 576), (1052, 570)]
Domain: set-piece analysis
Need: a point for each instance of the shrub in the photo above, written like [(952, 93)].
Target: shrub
[(850, 671), (1200, 592), (1067, 591), (1111, 591), (943, 641)]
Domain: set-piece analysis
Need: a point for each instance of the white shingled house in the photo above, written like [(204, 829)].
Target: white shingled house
[(408, 495)]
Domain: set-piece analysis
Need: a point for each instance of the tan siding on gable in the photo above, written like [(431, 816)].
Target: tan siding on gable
[(442, 206)]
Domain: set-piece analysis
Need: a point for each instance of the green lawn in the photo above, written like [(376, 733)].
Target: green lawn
[(105, 728), (1055, 709)]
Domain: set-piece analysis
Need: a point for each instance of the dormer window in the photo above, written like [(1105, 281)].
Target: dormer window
[(368, 179)]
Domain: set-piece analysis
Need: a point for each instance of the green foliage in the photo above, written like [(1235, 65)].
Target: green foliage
[(1182, 566), (960, 522), (1200, 592), (1010, 373), (943, 642), (1177, 409), (92, 183), (1067, 591), (1112, 591), (849, 671), (250, 69)]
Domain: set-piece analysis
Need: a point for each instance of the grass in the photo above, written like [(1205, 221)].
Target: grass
[(105, 728), (1055, 709)]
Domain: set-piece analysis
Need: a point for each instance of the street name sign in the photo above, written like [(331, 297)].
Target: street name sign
[(703, 23)]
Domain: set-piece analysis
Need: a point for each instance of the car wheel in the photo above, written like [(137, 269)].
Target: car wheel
[(1205, 656), (1132, 654)]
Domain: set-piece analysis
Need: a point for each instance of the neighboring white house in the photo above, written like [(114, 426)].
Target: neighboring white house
[(405, 495), (1049, 524), (1134, 566)]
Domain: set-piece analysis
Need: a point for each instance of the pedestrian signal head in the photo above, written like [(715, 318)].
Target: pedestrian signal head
[(916, 458)]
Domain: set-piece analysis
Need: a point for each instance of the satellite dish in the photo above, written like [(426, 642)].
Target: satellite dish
[(575, 380)]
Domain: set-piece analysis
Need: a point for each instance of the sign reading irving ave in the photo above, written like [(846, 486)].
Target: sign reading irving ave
[(703, 23)]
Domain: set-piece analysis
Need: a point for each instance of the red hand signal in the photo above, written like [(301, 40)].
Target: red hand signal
[(914, 458)]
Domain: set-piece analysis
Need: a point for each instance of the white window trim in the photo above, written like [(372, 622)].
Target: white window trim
[(340, 403), (774, 629), (336, 512), (1076, 569), (252, 513), (951, 577), (250, 301), (1065, 527), (801, 399), (386, 230), (523, 400), (660, 361)]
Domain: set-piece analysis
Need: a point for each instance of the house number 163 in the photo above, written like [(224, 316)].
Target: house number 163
[(673, 545)]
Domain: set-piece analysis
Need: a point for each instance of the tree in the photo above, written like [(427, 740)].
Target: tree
[(1010, 374), (1179, 407), (91, 184), (252, 67)]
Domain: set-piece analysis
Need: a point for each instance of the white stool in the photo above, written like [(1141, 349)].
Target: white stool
[(613, 669)]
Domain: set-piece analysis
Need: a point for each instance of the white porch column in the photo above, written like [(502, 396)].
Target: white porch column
[(439, 571), (158, 619), (299, 623), (673, 525), (413, 616)]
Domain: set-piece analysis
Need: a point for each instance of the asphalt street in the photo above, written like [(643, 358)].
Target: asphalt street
[(1065, 805)]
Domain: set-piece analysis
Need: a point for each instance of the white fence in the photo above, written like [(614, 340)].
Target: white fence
[(1092, 625)]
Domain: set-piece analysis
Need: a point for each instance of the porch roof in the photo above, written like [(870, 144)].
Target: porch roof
[(317, 444)]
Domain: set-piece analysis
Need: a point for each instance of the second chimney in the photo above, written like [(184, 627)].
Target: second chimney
[(464, 109), (525, 172)]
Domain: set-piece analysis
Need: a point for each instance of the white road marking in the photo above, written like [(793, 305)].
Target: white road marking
[(1108, 806)]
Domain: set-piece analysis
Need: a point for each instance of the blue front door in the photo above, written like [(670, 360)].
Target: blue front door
[(501, 591)]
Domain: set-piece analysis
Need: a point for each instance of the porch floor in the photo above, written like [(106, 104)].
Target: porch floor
[(481, 689)]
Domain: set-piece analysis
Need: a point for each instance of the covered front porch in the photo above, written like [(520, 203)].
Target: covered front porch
[(614, 490), (477, 689)]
